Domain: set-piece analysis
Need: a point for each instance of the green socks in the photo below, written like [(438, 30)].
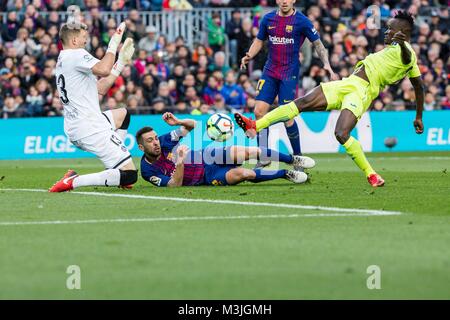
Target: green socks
[(281, 114), (354, 150)]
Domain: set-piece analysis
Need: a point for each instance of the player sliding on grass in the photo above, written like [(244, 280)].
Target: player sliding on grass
[(86, 126), (353, 95), (165, 163)]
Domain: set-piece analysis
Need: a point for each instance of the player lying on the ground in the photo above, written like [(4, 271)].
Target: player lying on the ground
[(84, 123), (353, 95), (166, 163)]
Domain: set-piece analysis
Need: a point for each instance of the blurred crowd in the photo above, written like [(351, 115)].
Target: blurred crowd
[(205, 78)]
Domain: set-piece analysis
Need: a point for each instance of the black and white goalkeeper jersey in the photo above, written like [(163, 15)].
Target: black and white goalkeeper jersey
[(77, 87)]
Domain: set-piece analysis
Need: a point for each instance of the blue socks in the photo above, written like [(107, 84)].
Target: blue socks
[(266, 175), (262, 138), (294, 137), (292, 133), (272, 155)]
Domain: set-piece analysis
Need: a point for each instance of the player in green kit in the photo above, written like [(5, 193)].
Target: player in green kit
[(353, 95)]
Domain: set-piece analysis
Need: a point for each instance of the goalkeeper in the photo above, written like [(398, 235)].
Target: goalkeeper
[(85, 125), (353, 95)]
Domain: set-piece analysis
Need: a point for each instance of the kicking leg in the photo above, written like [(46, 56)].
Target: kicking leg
[(313, 101), (345, 124)]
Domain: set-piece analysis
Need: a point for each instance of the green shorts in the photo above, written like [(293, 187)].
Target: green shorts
[(352, 93)]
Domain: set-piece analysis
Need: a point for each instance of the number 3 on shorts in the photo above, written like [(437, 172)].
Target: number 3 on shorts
[(260, 84)]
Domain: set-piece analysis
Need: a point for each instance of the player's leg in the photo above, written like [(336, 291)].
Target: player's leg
[(239, 154), (124, 176), (108, 147), (262, 137), (315, 100), (238, 175), (352, 110), (119, 120), (267, 91), (287, 94)]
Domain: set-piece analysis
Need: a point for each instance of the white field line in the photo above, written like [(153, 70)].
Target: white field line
[(198, 218), (344, 212)]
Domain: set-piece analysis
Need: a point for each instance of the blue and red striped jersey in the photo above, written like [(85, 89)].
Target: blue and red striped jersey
[(285, 36), (160, 171)]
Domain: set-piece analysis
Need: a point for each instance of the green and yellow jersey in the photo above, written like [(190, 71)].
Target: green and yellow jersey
[(386, 67), (382, 68)]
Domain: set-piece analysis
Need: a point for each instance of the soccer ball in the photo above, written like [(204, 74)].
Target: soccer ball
[(219, 127)]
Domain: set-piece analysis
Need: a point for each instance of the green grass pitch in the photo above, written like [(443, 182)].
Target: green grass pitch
[(151, 248)]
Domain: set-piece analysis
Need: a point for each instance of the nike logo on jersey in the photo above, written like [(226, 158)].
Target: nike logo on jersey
[(271, 27), (353, 105), (286, 101)]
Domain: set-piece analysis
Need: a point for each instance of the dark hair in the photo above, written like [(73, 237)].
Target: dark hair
[(404, 15), (141, 132)]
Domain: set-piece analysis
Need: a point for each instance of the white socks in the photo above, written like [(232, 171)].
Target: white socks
[(108, 178)]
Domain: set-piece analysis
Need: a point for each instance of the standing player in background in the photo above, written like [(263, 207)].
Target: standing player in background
[(354, 95), (286, 30), (85, 125)]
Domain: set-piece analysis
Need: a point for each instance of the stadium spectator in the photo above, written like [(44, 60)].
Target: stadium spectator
[(149, 42), (29, 49), (164, 95), (219, 105), (159, 106), (220, 63), (233, 29), (445, 104), (35, 103), (12, 108), (233, 93), (216, 33), (10, 28), (211, 90)]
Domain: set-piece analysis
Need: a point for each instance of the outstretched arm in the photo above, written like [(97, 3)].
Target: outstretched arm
[(187, 125), (103, 67), (323, 55), (127, 51), (418, 89), (256, 46)]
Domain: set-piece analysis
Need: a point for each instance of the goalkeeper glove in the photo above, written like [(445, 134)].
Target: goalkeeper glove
[(116, 38), (125, 55)]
